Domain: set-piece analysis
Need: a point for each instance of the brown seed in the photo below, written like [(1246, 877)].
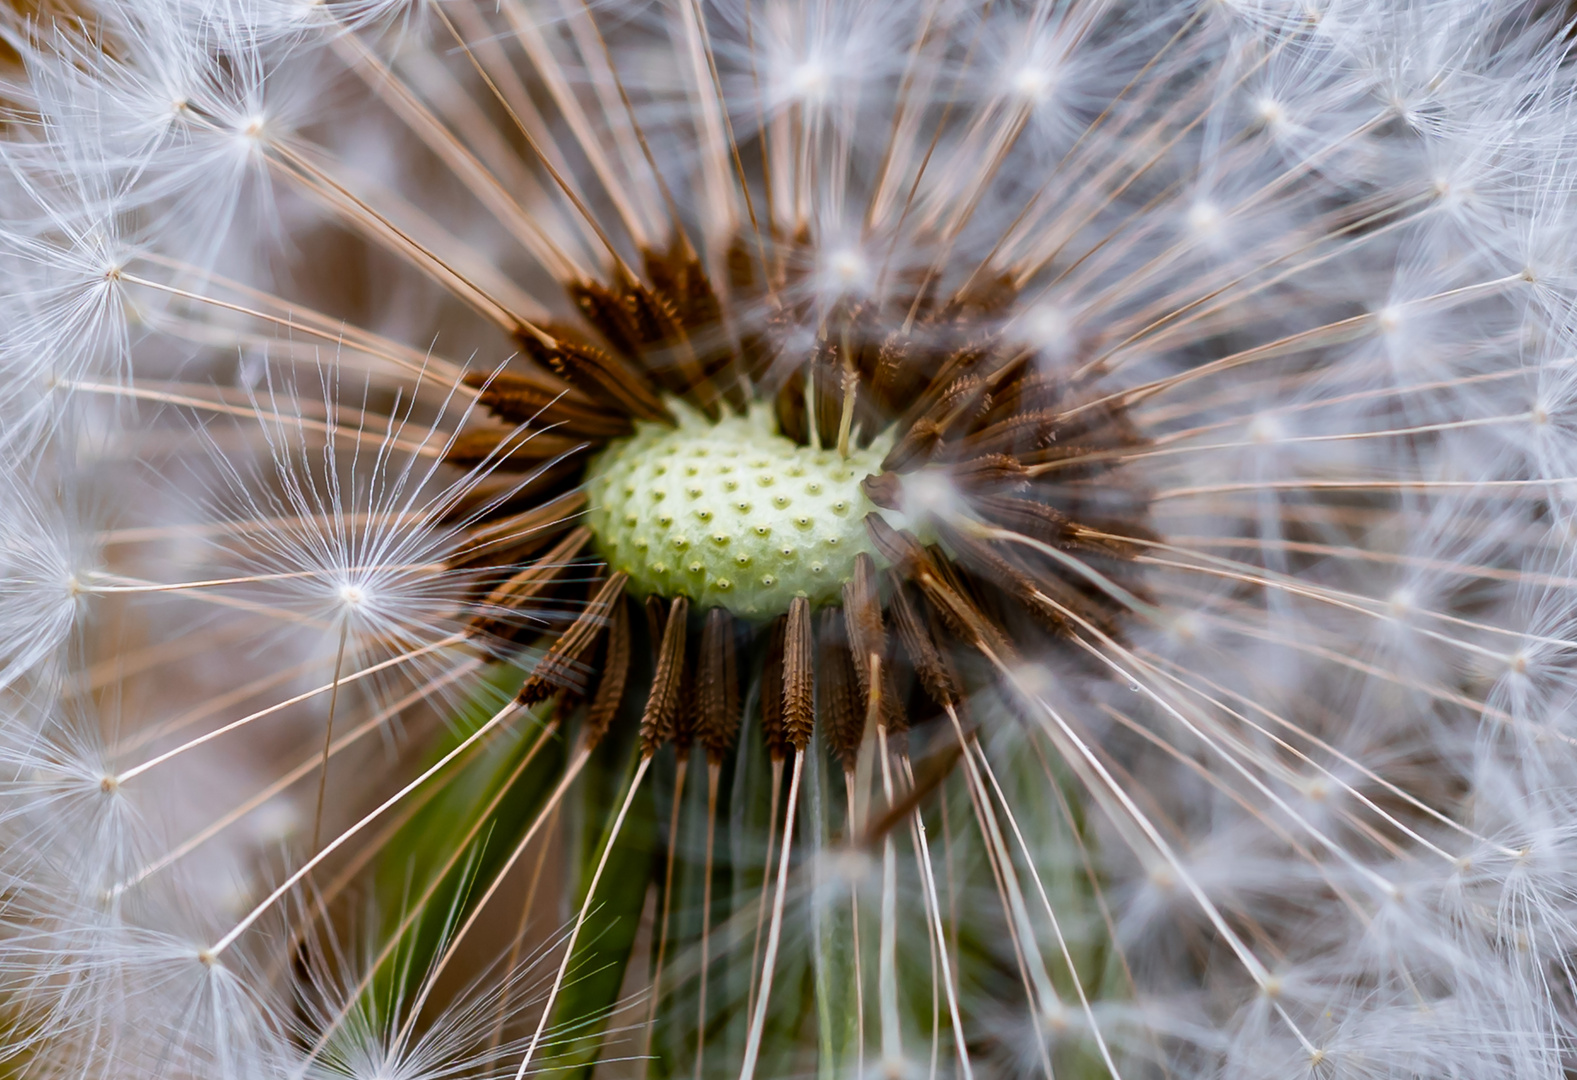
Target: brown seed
[(915, 637), (513, 537), (841, 710), (717, 687), (989, 473), (949, 599), (653, 316), (772, 730), (900, 547), (662, 704), (518, 399), (1034, 519), (609, 694), (556, 670), (493, 612), (507, 451), (603, 309), (799, 678), (607, 379), (1010, 578), (862, 614), (682, 731), (893, 709), (915, 448), (893, 377), (1034, 434)]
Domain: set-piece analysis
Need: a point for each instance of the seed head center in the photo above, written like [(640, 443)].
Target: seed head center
[(729, 513)]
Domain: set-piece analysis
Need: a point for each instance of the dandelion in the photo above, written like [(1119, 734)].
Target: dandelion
[(728, 539)]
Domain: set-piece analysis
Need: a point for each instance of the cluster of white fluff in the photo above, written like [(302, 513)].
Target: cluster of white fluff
[(1326, 249)]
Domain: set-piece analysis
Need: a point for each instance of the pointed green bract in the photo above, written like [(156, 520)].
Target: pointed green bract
[(436, 866)]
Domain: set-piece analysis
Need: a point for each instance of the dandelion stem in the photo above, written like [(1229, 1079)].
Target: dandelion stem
[(448, 148), (812, 420), (1102, 784), (713, 775), (417, 907), (775, 931), (637, 232), (544, 814), (374, 722), (585, 909), (1051, 914), (519, 939), (851, 393), (129, 585), (939, 934), (1364, 485), (214, 704), (317, 180), (766, 879), (856, 826), (681, 768), (1032, 968), (393, 661), (328, 735), (887, 947), (295, 879), (249, 412)]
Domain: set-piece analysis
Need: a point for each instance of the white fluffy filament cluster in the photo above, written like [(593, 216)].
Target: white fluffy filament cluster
[(1321, 797)]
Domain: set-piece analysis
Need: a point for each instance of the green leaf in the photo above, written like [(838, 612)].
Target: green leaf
[(590, 995), (436, 866)]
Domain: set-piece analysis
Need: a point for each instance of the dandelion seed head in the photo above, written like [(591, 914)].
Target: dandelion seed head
[(1051, 329), (253, 128), (1204, 219), (929, 496), (1390, 319), (1034, 83), (1270, 111), (809, 81), (1266, 429), (1087, 484), (847, 271)]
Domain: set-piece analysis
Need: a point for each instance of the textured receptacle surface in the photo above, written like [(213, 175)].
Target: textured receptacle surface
[(730, 513)]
